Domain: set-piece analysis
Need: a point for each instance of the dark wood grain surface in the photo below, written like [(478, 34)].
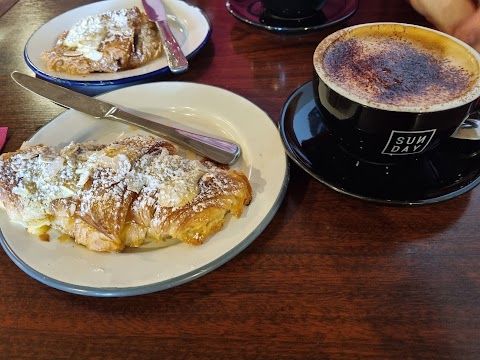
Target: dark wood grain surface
[(331, 277)]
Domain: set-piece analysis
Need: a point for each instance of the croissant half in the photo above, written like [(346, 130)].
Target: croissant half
[(108, 42), (125, 194)]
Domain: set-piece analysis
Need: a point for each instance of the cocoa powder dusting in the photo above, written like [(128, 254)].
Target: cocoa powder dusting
[(395, 72)]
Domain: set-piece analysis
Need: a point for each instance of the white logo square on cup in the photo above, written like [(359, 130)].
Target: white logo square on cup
[(408, 142)]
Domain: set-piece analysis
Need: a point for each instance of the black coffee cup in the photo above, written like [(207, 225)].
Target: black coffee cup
[(392, 92), (292, 9)]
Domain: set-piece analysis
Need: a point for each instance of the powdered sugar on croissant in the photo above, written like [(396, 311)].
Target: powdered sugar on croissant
[(123, 194), (108, 42)]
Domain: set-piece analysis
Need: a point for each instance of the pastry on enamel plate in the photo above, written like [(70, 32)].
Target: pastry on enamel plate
[(107, 42), (134, 192)]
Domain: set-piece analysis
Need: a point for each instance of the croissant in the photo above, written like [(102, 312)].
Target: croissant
[(107, 42), (129, 193)]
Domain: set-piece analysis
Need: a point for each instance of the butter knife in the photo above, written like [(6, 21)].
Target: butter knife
[(177, 62), (219, 150)]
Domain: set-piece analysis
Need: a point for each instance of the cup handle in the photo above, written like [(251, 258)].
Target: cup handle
[(470, 128)]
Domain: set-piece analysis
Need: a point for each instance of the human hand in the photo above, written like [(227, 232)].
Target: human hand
[(460, 18), (469, 30)]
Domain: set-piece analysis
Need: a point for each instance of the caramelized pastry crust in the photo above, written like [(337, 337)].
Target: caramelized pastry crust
[(126, 194), (107, 42)]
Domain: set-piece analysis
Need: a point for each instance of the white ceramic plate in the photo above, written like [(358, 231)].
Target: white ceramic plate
[(189, 24), (73, 268)]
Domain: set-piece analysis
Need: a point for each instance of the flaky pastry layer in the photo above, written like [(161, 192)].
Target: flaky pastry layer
[(108, 42), (107, 197)]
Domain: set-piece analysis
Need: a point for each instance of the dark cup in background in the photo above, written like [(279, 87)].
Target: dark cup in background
[(292, 9)]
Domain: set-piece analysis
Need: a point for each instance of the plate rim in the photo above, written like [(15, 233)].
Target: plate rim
[(147, 289), (122, 80), (218, 261)]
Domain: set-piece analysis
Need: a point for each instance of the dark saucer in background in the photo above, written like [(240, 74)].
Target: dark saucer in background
[(253, 13), (440, 176)]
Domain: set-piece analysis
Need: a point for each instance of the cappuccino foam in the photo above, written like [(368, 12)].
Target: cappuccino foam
[(391, 66)]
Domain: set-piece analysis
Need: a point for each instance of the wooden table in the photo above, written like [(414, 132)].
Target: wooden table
[(331, 276)]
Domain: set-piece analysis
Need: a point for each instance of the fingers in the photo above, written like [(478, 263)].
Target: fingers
[(469, 30), (445, 15)]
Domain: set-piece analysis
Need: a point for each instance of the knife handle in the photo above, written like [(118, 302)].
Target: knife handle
[(177, 62), (219, 150)]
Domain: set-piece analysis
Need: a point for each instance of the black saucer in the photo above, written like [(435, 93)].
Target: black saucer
[(253, 13), (442, 175)]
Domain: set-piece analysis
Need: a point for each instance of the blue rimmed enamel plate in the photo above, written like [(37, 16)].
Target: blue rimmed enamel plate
[(189, 24)]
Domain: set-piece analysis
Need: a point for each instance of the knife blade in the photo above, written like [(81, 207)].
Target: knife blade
[(219, 150), (177, 62)]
